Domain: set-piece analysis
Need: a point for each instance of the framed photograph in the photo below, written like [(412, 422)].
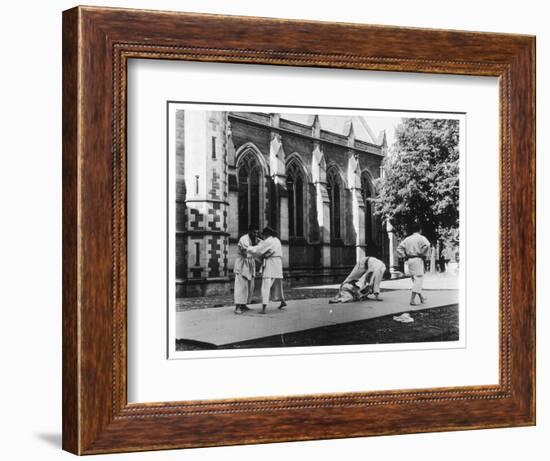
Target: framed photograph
[(329, 243), (330, 234)]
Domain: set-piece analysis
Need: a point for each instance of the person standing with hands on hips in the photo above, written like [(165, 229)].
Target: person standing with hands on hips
[(415, 248)]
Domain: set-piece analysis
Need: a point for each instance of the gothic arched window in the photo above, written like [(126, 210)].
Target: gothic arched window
[(334, 188), (250, 176), (295, 186)]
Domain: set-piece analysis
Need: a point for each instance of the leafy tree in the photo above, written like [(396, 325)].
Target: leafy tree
[(421, 179)]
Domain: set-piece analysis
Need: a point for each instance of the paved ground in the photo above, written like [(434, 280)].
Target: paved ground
[(435, 324), (220, 326)]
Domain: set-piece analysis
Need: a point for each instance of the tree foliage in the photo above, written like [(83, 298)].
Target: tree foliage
[(421, 179)]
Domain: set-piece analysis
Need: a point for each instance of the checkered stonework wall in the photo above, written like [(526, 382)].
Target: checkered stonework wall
[(225, 256), (215, 221), (217, 243), (215, 250), (206, 204), (196, 257), (195, 217), (216, 155), (216, 184), (181, 256)]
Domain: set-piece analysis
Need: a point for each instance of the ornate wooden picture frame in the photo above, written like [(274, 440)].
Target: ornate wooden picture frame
[(97, 44)]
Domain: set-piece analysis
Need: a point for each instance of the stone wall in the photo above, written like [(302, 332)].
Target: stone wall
[(207, 197)]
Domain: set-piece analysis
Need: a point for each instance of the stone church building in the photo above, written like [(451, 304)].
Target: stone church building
[(309, 177)]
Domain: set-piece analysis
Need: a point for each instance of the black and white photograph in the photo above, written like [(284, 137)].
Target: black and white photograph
[(300, 227)]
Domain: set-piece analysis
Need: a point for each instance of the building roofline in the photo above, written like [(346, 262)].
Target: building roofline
[(241, 116)]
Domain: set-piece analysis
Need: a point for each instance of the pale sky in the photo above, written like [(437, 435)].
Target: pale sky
[(388, 123), (335, 123)]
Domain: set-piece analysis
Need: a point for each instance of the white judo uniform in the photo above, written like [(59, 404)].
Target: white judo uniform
[(245, 271), (375, 272), (271, 252), (415, 248), (369, 271)]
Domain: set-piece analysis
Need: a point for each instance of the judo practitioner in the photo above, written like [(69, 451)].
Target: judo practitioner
[(415, 248), (444, 259), (245, 269), (362, 281), (270, 252)]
